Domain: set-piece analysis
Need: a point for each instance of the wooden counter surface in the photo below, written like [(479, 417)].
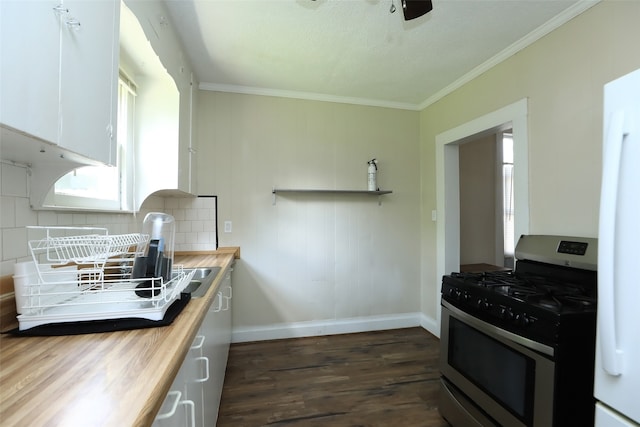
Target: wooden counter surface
[(114, 379)]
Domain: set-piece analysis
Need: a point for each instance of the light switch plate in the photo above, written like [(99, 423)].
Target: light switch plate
[(228, 226)]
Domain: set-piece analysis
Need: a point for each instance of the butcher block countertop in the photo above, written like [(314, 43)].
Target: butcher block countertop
[(114, 379)]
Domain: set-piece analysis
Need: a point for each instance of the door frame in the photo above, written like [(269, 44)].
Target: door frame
[(512, 116)]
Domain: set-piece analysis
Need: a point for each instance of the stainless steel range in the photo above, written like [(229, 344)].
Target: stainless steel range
[(517, 347)]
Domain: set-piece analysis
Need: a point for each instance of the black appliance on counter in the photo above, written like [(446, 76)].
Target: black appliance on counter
[(157, 263), (517, 347)]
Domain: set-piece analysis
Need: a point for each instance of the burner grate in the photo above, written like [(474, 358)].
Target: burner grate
[(553, 298), (539, 291)]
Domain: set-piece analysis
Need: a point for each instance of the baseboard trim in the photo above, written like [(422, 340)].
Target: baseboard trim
[(332, 327), (430, 325)]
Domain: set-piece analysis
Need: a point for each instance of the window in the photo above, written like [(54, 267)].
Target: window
[(507, 194), (104, 187)]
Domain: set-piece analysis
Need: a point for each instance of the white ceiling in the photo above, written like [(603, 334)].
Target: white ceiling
[(356, 51)]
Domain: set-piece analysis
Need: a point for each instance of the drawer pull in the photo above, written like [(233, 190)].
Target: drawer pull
[(219, 299), (206, 368), (198, 342), (176, 394)]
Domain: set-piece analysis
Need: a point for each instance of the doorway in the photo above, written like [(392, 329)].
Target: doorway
[(486, 201), (514, 117)]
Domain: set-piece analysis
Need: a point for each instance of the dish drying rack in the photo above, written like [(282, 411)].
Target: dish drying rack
[(83, 277)]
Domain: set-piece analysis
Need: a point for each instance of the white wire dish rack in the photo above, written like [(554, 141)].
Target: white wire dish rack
[(84, 274)]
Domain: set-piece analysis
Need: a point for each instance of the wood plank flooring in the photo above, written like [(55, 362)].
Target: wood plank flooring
[(384, 378)]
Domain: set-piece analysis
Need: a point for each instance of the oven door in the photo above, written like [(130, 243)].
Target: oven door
[(493, 373)]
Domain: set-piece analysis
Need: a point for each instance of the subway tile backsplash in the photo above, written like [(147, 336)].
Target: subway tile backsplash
[(195, 222), (195, 219)]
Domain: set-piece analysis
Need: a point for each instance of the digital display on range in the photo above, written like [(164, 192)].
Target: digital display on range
[(573, 248)]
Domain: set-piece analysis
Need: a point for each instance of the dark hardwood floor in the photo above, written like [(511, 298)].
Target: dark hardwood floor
[(384, 378)]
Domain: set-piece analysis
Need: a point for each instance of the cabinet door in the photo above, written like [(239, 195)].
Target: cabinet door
[(29, 66), (183, 405), (89, 78), (193, 147), (217, 326), (198, 380), (212, 390), (187, 149), (176, 410), (227, 292)]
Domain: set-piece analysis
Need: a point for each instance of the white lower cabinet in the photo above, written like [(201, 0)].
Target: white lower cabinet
[(194, 398), (217, 324), (183, 405)]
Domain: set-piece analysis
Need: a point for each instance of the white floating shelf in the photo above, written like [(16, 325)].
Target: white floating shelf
[(320, 191), (293, 190)]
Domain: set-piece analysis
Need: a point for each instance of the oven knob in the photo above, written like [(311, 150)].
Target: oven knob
[(483, 304), (505, 313), (455, 293), (522, 319)]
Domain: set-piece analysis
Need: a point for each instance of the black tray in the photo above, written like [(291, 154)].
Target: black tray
[(109, 325)]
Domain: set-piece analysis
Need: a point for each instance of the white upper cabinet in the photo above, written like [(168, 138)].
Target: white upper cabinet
[(29, 67), (59, 67), (187, 166), (89, 78)]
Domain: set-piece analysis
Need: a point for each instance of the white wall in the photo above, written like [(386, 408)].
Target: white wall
[(314, 264), (562, 76)]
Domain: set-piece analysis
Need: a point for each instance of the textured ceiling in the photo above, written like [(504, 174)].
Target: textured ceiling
[(356, 50)]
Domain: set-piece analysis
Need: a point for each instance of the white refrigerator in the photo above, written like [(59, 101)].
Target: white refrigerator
[(617, 369)]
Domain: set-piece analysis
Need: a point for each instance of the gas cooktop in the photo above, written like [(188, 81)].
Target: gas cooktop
[(542, 293)]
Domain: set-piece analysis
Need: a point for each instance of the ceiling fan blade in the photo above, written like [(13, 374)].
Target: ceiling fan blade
[(415, 8)]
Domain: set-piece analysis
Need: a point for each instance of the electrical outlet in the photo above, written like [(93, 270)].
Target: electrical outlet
[(228, 226)]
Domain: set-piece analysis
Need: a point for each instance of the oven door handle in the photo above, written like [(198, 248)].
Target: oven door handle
[(612, 153), (488, 328)]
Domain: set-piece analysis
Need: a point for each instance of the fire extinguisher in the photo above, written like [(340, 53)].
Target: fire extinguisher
[(372, 170)]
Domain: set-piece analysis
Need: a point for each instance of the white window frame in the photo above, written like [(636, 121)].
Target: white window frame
[(508, 204)]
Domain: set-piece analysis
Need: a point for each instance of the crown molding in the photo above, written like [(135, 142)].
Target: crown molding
[(247, 90), (554, 23), (557, 21)]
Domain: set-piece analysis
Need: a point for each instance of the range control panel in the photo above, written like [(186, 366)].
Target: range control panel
[(568, 251), (573, 248)]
